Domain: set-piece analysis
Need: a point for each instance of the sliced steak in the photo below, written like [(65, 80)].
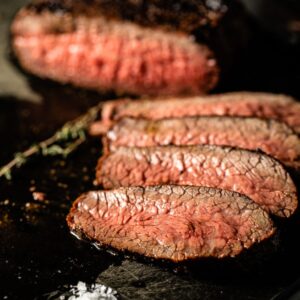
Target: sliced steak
[(273, 137), (258, 176), (243, 104), (171, 222), (96, 44)]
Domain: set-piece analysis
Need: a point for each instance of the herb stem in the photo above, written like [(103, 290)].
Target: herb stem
[(64, 141)]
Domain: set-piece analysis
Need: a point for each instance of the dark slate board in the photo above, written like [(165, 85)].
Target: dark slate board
[(135, 280)]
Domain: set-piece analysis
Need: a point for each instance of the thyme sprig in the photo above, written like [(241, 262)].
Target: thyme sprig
[(64, 141)]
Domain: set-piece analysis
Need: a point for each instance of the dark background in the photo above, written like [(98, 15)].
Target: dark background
[(37, 253)]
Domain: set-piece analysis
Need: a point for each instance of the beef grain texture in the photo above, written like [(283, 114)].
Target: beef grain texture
[(117, 45), (258, 176), (243, 104), (171, 222), (272, 137)]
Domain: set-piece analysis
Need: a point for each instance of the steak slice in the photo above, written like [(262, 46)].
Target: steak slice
[(171, 222), (243, 104), (273, 137), (258, 176), (94, 44)]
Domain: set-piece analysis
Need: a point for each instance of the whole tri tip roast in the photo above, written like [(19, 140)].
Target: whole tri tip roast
[(171, 222), (242, 104), (137, 47), (272, 137), (258, 176)]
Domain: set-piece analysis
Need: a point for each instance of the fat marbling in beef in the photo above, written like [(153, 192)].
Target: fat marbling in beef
[(258, 176), (171, 222), (243, 104), (272, 137)]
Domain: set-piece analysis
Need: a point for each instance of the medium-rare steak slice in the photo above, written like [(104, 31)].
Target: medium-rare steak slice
[(273, 137), (105, 45), (260, 177), (171, 222), (243, 104)]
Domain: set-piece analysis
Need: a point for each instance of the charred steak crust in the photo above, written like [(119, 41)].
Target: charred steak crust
[(171, 222), (244, 104), (183, 15), (258, 176), (272, 137)]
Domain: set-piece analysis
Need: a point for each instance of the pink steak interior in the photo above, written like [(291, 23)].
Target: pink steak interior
[(110, 55)]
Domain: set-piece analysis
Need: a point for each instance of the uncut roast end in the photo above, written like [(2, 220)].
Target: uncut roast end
[(88, 48)]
